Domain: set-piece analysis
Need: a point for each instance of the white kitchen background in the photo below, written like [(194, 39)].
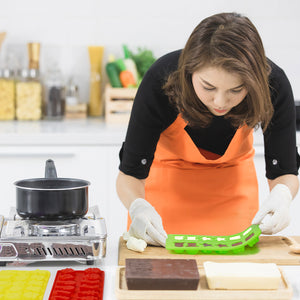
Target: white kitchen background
[(160, 25), (67, 27)]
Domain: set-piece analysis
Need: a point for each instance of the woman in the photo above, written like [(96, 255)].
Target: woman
[(187, 161)]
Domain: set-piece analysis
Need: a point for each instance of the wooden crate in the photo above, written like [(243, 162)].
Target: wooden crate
[(118, 104)]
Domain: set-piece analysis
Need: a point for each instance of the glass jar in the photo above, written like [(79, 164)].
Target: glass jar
[(7, 95), (28, 95), (54, 94), (72, 94), (74, 108)]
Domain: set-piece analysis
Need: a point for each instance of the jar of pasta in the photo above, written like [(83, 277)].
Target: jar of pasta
[(28, 95), (7, 95)]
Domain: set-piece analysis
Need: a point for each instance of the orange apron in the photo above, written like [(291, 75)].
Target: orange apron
[(195, 194)]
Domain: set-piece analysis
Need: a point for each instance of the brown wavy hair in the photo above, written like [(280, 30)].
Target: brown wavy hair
[(229, 41)]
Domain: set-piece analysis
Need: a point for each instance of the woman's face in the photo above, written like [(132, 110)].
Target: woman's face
[(218, 89)]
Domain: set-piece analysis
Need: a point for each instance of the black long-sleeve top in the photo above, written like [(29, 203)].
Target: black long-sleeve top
[(152, 113)]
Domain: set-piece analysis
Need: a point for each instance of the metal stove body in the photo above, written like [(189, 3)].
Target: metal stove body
[(27, 241)]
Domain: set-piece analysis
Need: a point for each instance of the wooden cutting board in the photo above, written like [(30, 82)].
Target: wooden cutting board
[(269, 249), (284, 292)]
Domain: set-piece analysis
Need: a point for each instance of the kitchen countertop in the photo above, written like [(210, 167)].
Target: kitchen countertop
[(89, 131), (110, 263)]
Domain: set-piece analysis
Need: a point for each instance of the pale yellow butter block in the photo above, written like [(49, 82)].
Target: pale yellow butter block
[(242, 276)]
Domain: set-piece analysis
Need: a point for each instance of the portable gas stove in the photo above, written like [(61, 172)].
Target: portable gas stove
[(27, 241)]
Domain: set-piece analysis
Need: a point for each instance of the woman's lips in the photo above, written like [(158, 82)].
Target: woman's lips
[(220, 111)]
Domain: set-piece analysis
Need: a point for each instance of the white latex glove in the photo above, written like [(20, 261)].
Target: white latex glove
[(274, 214), (146, 223)]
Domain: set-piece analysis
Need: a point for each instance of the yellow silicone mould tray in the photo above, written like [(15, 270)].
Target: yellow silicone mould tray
[(25, 285)]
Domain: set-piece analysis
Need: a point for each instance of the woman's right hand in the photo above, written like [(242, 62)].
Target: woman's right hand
[(146, 223)]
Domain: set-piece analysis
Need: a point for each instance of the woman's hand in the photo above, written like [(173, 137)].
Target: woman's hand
[(146, 223), (274, 214)]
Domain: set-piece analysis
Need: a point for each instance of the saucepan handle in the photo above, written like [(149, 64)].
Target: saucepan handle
[(50, 170)]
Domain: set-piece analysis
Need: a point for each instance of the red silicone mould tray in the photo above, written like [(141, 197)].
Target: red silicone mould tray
[(71, 284)]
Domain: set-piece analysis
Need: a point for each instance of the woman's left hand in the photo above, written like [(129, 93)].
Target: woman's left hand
[(274, 214)]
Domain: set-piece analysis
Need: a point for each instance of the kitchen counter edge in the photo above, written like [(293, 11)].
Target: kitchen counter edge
[(84, 132)]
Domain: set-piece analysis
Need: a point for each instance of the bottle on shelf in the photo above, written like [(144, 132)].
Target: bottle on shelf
[(7, 94), (29, 88), (54, 93), (74, 107)]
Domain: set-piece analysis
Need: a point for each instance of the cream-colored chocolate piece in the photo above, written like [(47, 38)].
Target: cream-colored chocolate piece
[(135, 244), (242, 276)]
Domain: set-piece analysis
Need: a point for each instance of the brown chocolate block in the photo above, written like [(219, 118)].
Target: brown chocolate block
[(161, 274)]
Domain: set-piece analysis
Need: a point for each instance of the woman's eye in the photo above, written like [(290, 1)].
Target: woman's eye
[(208, 89), (236, 91)]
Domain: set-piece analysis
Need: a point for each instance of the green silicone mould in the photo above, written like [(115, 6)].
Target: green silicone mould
[(194, 244)]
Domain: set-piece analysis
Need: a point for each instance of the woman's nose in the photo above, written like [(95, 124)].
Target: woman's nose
[(220, 101)]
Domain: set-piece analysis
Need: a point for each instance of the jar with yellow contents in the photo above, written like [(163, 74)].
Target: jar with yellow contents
[(7, 95), (28, 95)]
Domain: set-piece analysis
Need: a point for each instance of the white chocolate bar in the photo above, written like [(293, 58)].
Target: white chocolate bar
[(241, 276)]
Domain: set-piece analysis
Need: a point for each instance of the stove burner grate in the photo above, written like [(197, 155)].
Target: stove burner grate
[(57, 229)]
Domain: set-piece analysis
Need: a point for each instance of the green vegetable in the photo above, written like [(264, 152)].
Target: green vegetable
[(143, 59)]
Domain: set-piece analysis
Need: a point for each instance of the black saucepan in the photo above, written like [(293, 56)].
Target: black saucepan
[(52, 198)]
